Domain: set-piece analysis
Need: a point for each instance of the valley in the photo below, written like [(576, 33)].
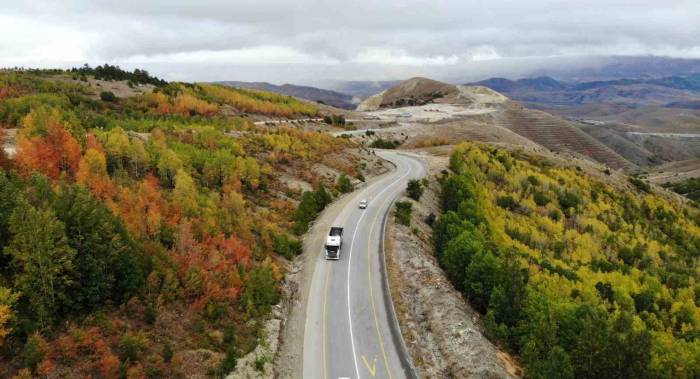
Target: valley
[(227, 194)]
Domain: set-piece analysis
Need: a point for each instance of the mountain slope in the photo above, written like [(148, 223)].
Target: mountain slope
[(557, 134), (336, 99)]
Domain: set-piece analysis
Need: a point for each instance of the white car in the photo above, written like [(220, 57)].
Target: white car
[(363, 204)]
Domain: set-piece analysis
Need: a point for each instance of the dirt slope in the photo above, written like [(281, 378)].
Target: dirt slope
[(559, 135)]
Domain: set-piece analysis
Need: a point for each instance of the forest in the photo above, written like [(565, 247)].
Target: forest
[(138, 231), (109, 72), (578, 276)]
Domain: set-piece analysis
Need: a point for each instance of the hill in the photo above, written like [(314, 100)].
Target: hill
[(148, 234), (544, 129), (565, 276), (336, 99), (415, 91), (420, 91), (619, 112), (558, 134)]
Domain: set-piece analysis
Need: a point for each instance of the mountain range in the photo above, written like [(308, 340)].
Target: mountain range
[(672, 91)]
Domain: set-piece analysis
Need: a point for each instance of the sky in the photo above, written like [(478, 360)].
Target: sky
[(306, 41)]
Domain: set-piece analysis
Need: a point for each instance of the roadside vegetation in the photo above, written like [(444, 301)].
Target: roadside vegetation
[(403, 212), (381, 143), (414, 189), (336, 120), (579, 278), (138, 232)]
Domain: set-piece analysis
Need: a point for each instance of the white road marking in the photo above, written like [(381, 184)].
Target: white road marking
[(352, 246)]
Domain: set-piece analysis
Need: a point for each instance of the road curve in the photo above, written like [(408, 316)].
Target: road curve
[(348, 331)]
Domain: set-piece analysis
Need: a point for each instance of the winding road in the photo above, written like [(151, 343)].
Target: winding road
[(350, 330)]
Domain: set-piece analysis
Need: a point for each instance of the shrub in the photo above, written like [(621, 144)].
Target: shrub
[(507, 202), (541, 199), (310, 205), (229, 363), (132, 344), (430, 219), (569, 199), (108, 96), (381, 143), (34, 351), (286, 245), (337, 120), (640, 184), (167, 352), (414, 189), (344, 185), (403, 212), (260, 362), (261, 290)]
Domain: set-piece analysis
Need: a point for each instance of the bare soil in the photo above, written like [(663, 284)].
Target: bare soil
[(120, 89), (9, 141)]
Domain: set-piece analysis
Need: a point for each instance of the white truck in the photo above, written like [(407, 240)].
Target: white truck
[(334, 241)]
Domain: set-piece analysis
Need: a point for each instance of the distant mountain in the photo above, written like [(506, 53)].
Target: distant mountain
[(336, 99), (542, 83), (361, 89), (675, 90), (619, 67), (685, 104)]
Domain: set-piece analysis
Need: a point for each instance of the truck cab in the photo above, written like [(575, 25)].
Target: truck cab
[(334, 242)]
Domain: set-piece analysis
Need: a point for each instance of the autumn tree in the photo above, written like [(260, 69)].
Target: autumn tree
[(168, 165), (7, 302), (92, 173), (185, 193), (44, 145)]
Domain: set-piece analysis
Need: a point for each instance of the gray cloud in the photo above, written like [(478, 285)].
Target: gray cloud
[(377, 40)]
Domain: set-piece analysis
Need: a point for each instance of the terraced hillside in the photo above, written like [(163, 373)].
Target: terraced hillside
[(559, 135)]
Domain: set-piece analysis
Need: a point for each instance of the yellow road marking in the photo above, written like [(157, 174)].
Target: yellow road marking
[(373, 369), (325, 301), (371, 295)]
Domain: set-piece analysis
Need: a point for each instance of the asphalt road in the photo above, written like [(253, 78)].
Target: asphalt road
[(347, 332)]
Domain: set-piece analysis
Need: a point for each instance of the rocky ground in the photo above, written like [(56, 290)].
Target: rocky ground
[(442, 332)]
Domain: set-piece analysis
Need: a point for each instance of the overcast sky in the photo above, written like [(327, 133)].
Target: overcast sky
[(304, 41)]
